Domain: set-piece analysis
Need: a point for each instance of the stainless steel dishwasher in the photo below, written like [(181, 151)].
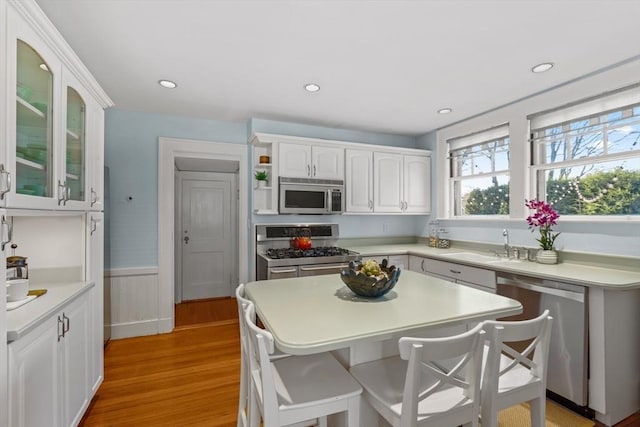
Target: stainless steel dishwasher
[(568, 350)]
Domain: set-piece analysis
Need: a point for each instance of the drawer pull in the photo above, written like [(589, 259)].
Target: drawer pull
[(455, 271)]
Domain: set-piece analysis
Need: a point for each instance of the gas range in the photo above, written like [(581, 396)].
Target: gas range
[(276, 259)]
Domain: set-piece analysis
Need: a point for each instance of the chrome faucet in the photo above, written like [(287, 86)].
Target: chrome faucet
[(505, 234)]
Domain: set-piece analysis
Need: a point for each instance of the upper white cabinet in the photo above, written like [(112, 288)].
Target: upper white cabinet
[(387, 182), (311, 161), (416, 182), (54, 119), (359, 181)]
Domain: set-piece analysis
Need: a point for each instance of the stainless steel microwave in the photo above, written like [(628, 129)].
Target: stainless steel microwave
[(311, 196)]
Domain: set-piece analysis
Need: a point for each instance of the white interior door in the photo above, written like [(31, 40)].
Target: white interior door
[(208, 235)]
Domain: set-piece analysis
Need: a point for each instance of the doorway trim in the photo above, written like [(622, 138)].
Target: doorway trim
[(168, 150)]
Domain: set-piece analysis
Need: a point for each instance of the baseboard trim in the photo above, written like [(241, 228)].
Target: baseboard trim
[(139, 329)]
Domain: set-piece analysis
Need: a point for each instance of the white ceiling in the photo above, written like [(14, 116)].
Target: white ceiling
[(383, 66)]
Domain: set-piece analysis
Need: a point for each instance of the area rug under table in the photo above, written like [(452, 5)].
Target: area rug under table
[(557, 416)]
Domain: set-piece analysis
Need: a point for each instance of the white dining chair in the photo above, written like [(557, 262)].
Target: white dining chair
[(295, 389), (243, 400), (420, 387), (511, 376)]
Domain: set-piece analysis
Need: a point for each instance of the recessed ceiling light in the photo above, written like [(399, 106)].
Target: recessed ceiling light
[(445, 110), (311, 87), (44, 67), (168, 84), (541, 68)]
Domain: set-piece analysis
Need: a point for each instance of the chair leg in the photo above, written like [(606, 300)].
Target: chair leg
[(242, 399), (538, 412), (254, 411), (489, 414)]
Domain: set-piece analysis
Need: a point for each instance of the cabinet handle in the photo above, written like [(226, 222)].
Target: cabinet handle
[(405, 205), (455, 271), (308, 170), (314, 170), (94, 226), (61, 192), (94, 197), (422, 265), (6, 173), (5, 226), (66, 324), (371, 204), (60, 328)]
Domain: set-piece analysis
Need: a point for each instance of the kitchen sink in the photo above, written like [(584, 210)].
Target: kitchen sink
[(471, 256), (505, 261)]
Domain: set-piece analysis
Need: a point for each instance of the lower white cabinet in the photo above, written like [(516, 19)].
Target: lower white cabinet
[(49, 369), (474, 277)]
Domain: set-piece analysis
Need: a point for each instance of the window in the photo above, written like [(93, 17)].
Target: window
[(589, 164), (479, 165)]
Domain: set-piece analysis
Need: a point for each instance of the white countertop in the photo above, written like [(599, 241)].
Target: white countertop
[(23, 319), (580, 274), (319, 313)]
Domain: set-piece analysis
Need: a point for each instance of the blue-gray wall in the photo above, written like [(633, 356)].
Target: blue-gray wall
[(131, 153)]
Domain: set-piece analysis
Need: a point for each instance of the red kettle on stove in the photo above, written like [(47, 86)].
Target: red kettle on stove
[(302, 241)]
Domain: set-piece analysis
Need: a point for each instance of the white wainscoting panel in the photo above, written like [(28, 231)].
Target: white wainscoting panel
[(134, 303)]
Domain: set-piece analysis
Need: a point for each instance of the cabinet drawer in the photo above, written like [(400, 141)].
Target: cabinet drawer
[(462, 273)]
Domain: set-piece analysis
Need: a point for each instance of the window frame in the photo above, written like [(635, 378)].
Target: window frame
[(538, 153), (456, 144)]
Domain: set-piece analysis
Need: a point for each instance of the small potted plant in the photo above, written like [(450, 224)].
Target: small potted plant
[(261, 177), (543, 218)]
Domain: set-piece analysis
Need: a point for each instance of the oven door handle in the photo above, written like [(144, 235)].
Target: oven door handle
[(563, 293), (328, 267), (283, 270)]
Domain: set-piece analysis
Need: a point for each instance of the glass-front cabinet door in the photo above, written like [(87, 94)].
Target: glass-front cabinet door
[(34, 124), (46, 155), (73, 183), (33, 103)]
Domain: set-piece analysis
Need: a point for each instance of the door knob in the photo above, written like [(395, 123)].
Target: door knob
[(186, 240)]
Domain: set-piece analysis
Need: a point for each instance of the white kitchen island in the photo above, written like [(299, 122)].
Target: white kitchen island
[(319, 313)]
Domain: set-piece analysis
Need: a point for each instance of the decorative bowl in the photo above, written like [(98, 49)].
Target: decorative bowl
[(370, 286)]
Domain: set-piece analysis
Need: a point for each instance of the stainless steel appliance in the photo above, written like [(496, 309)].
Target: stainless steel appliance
[(311, 196), (277, 259), (568, 349)]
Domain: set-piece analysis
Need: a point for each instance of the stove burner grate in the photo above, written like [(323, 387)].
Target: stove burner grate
[(284, 253)]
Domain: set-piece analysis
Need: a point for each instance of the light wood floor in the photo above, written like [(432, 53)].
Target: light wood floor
[(186, 378)]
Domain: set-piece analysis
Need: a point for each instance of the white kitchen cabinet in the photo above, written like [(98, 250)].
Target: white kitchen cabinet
[(475, 277), (50, 104), (387, 182), (95, 273), (417, 184), (311, 161), (359, 180), (401, 183), (96, 156), (49, 369)]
